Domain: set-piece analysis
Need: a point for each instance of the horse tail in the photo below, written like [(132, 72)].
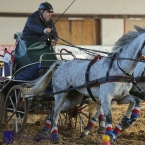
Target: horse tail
[(39, 85)]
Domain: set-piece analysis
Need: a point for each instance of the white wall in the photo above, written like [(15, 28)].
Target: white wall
[(79, 6), (112, 30), (8, 27)]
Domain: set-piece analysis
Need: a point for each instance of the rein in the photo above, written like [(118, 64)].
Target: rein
[(91, 51), (93, 83)]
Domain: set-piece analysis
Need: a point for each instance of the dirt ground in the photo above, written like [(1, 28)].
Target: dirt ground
[(135, 135)]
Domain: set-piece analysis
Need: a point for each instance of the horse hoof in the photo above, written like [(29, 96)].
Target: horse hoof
[(101, 131), (57, 140), (83, 135), (112, 139), (113, 142)]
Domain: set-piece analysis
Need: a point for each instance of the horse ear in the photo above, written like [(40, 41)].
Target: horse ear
[(139, 29)]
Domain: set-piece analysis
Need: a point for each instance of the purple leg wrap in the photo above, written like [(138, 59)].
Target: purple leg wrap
[(54, 134), (117, 130), (90, 125), (135, 112), (47, 126), (108, 129)]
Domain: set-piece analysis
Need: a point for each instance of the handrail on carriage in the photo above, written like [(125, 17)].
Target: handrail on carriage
[(41, 56)]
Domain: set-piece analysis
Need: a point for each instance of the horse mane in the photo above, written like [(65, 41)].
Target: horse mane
[(128, 37)]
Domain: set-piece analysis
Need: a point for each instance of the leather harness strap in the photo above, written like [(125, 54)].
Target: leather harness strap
[(87, 75), (142, 94), (93, 83), (112, 58)]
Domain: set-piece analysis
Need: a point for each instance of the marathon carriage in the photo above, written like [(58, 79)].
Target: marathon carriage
[(24, 65), (117, 77)]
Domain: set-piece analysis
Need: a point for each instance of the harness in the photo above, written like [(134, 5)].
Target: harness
[(141, 95), (124, 79), (93, 83), (139, 79), (88, 84), (87, 75)]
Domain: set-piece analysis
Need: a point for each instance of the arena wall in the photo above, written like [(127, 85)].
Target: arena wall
[(135, 7), (109, 31)]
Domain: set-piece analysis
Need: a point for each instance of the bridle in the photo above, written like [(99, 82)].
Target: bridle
[(134, 82)]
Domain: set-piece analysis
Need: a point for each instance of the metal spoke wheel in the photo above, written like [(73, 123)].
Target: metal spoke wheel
[(15, 109), (75, 117)]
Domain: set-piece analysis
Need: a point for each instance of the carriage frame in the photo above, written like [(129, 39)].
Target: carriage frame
[(15, 107)]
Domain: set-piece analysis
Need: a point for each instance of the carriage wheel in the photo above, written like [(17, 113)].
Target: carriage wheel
[(16, 109), (75, 117)]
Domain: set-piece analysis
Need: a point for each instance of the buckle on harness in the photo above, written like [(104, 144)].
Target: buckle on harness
[(139, 89)]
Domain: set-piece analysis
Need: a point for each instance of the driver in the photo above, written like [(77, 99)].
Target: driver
[(39, 26)]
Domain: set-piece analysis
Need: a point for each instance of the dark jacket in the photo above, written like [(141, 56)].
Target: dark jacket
[(33, 30)]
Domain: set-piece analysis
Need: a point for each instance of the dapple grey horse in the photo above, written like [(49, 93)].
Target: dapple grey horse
[(72, 74), (133, 110)]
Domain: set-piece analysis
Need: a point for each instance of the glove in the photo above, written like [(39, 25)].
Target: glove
[(53, 42), (47, 30)]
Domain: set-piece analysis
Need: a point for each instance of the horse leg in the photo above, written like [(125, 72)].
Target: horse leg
[(47, 126), (90, 126), (105, 99), (128, 120), (130, 116), (130, 108), (43, 133), (127, 115), (101, 119), (59, 101)]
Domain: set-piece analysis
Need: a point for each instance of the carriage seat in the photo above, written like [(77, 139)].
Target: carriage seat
[(27, 53), (30, 51)]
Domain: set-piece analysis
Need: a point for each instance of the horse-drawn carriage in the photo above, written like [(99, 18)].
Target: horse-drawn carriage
[(31, 60), (112, 82)]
